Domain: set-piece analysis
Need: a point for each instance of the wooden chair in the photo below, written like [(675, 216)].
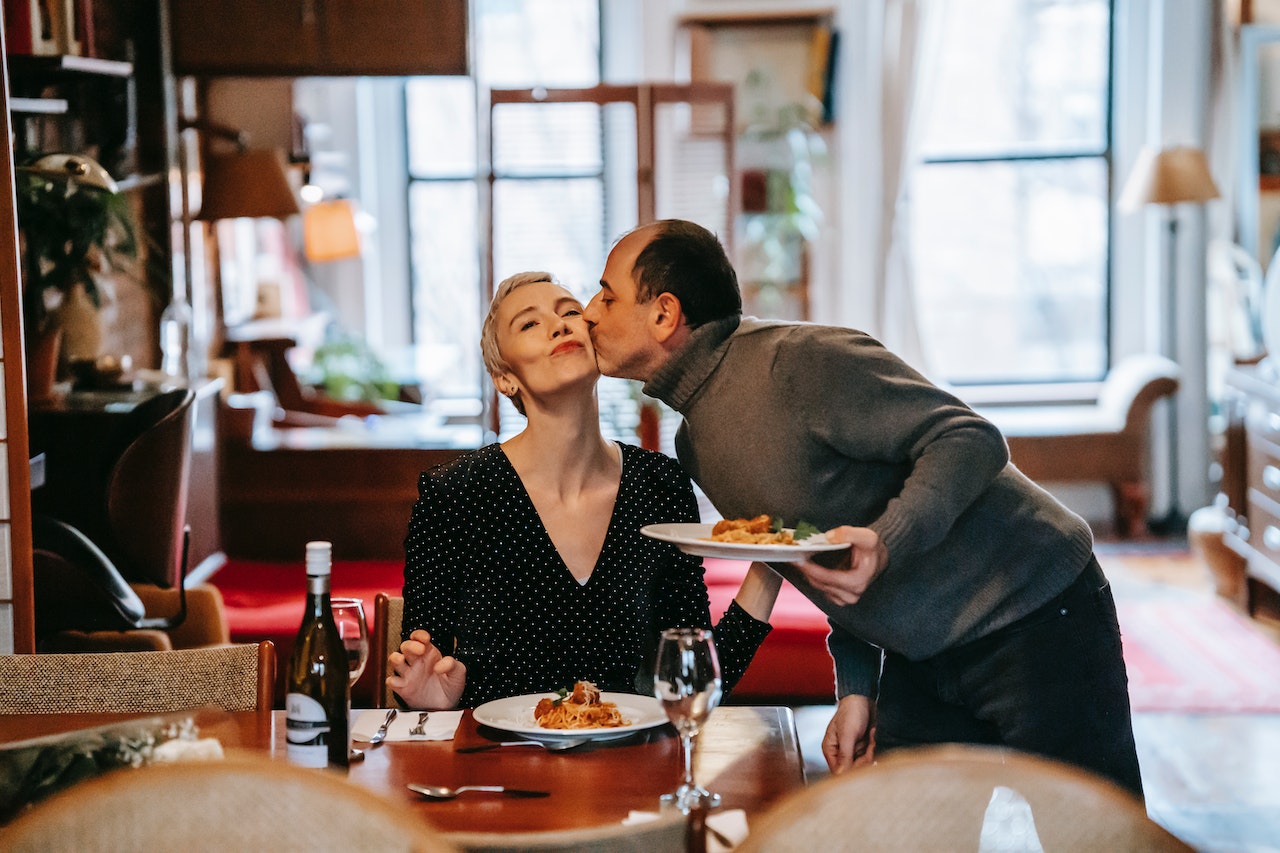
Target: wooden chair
[(388, 618), (239, 803), (233, 677), (959, 798)]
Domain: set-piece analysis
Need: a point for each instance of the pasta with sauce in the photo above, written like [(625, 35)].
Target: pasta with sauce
[(583, 709)]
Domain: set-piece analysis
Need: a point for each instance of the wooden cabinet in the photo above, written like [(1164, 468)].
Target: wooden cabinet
[(319, 37), (1251, 477)]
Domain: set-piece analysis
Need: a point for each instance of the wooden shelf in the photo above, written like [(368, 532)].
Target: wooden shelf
[(24, 65), (761, 17), (38, 106), (1269, 183)]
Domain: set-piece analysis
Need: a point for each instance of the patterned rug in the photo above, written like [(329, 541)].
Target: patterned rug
[(1191, 653)]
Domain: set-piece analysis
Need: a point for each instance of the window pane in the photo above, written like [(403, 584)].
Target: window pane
[(547, 139), (537, 42), (1011, 265), (552, 225), (442, 126), (446, 294), (1018, 75)]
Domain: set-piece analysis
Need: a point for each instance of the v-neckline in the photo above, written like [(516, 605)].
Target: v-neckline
[(548, 542)]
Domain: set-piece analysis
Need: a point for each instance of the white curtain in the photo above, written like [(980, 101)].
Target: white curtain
[(908, 29)]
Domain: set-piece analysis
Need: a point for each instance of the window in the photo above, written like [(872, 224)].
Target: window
[(551, 193), (1010, 209)]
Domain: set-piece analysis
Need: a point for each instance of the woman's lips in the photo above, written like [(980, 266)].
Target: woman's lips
[(566, 346)]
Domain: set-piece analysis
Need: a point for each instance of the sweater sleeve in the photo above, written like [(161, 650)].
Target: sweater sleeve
[(857, 664), (885, 411), (432, 566)]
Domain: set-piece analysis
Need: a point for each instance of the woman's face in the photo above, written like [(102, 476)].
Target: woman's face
[(543, 338)]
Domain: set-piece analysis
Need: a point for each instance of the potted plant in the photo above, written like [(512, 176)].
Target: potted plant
[(75, 224)]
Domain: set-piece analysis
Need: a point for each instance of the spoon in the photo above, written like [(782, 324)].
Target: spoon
[(549, 746), (439, 792)]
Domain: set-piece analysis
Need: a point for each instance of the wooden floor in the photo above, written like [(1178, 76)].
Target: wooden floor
[(1211, 779)]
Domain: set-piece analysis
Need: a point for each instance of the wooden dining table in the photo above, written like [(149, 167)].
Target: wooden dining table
[(750, 755)]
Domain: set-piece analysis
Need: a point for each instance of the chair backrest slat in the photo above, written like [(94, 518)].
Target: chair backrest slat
[(237, 677), (388, 621)]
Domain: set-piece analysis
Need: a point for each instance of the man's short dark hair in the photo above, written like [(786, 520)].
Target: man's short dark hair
[(687, 261)]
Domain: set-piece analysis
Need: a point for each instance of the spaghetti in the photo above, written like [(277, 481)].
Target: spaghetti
[(583, 709)]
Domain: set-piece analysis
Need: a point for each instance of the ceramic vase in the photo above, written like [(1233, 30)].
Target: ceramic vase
[(81, 326)]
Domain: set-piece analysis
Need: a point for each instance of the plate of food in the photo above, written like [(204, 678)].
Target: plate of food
[(585, 713), (745, 539)]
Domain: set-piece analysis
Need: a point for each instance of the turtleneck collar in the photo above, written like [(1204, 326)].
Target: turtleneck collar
[(678, 380)]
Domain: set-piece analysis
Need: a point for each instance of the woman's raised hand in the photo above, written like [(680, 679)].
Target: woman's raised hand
[(423, 677)]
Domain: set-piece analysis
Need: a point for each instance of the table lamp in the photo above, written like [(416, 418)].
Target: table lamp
[(1169, 177), (246, 183), (329, 231)]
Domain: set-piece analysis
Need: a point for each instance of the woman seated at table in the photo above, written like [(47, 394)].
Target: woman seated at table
[(525, 569)]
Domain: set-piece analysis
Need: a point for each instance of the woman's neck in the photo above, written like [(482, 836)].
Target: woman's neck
[(562, 448)]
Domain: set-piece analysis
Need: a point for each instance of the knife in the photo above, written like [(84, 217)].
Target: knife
[(381, 734)]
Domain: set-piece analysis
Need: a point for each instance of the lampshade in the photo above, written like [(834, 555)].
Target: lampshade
[(247, 183), (329, 231), (1168, 176), (73, 167)]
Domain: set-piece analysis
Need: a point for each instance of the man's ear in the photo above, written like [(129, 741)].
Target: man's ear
[(667, 317)]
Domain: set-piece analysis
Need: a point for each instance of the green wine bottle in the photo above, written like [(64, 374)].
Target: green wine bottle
[(318, 695)]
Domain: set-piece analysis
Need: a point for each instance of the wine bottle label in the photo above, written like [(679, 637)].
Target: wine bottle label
[(306, 730)]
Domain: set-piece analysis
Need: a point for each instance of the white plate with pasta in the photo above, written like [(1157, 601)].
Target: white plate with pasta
[(515, 714), (696, 539)]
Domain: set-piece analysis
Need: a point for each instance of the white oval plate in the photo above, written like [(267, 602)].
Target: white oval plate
[(695, 539), (515, 714)]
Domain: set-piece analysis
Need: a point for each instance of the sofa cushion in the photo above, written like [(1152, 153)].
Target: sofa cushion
[(792, 665)]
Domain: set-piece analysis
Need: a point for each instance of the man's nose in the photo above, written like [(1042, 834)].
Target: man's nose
[(589, 313)]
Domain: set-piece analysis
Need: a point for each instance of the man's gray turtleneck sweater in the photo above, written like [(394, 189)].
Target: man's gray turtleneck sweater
[(824, 425)]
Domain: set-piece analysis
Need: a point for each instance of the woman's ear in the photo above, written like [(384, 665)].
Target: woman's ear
[(667, 316), (505, 384)]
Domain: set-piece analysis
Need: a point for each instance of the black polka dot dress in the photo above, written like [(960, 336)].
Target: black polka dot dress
[(483, 577)]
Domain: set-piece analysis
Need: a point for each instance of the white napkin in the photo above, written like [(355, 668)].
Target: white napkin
[(440, 725), (731, 823)]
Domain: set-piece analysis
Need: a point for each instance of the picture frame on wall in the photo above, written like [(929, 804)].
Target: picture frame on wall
[(782, 61)]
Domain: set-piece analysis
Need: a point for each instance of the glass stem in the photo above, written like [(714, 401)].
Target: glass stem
[(688, 760)]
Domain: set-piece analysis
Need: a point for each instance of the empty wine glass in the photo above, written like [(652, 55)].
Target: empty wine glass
[(348, 615), (687, 682)]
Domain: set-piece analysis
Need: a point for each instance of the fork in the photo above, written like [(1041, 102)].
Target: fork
[(418, 730)]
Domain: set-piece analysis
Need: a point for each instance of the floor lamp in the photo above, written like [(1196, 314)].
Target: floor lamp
[(1168, 177)]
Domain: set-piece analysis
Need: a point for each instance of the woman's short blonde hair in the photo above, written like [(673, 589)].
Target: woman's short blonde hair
[(493, 360)]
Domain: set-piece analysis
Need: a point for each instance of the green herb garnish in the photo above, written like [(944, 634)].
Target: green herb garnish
[(804, 530), (563, 693)]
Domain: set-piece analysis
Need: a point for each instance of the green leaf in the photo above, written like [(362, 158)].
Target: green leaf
[(804, 530), (777, 525)]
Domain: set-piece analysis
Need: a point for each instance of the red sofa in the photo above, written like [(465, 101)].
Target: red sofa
[(264, 600)]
